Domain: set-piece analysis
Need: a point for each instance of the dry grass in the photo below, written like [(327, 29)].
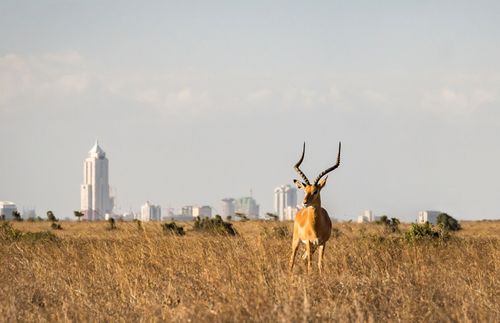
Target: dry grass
[(131, 274)]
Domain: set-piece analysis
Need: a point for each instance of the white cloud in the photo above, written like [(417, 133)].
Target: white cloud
[(460, 102), (184, 95), (260, 95), (41, 76), (373, 96)]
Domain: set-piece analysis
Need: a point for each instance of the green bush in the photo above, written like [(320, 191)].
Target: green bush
[(447, 222), (421, 232), (214, 225), (390, 225), (173, 228)]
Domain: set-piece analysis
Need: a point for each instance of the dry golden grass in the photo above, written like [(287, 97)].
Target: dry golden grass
[(94, 274)]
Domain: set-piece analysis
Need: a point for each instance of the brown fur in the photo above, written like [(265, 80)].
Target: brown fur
[(312, 224)]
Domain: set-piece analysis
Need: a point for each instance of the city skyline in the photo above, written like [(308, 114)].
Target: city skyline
[(200, 101)]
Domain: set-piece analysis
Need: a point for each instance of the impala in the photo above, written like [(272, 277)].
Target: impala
[(312, 224)]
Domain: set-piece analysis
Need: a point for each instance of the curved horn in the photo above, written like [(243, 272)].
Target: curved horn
[(323, 173), (296, 167)]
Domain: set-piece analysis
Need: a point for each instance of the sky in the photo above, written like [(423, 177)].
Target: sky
[(194, 101)]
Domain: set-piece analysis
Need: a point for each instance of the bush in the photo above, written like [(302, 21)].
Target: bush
[(214, 225), (8, 233), (278, 232), (390, 225), (447, 222), (173, 228), (51, 217), (420, 232), (16, 216), (56, 226), (112, 224)]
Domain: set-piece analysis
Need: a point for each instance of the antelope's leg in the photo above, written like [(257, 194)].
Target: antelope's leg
[(295, 246), (308, 250), (313, 249), (320, 257)]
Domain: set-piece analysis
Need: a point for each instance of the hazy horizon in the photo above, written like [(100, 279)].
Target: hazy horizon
[(197, 101)]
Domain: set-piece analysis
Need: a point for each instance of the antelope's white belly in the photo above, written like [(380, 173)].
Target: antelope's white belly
[(314, 242)]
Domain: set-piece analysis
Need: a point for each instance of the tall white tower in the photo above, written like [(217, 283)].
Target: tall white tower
[(285, 202), (95, 198)]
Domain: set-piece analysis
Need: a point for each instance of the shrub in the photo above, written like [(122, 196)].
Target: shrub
[(214, 225), (112, 224), (390, 225), (335, 233), (139, 225), (8, 233), (173, 228), (16, 216), (420, 232), (447, 222), (51, 216), (56, 226), (278, 232)]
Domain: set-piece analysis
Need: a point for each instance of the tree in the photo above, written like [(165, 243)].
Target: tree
[(78, 215), (391, 225), (17, 216), (112, 224), (51, 216), (447, 222)]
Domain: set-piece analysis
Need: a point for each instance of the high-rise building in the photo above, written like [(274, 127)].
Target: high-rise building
[(204, 211), (428, 216), (150, 212), (368, 216), (7, 209), (227, 208), (96, 201), (248, 207), (285, 202), (187, 210)]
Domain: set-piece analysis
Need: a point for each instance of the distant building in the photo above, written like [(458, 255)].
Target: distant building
[(248, 207), (6, 209), (202, 211), (367, 216), (428, 216), (187, 210), (227, 208), (285, 202), (95, 194), (289, 213), (29, 213), (150, 212)]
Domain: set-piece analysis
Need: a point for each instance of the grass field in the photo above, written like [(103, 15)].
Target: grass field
[(90, 273)]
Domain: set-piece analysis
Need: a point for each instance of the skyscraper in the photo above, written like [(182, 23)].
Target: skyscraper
[(248, 207), (95, 198), (150, 212), (285, 202), (227, 208)]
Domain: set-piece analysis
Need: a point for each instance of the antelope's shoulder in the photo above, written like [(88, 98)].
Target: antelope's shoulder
[(302, 215)]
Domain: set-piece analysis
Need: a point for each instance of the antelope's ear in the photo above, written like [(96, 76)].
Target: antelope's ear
[(322, 182), (299, 184)]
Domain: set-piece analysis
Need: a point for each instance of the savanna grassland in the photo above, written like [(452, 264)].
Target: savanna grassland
[(90, 273)]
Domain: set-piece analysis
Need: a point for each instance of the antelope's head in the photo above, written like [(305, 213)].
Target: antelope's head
[(312, 191)]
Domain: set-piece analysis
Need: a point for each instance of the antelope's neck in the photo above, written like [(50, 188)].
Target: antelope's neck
[(316, 208)]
